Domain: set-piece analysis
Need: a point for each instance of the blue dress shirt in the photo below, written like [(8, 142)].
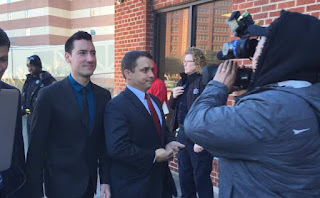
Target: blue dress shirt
[(77, 88)]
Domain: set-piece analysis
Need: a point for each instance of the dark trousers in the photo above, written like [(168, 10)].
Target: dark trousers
[(194, 170)]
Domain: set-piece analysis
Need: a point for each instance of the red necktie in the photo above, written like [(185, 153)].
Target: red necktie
[(154, 114)]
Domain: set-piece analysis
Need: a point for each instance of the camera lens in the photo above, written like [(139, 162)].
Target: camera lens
[(243, 48)]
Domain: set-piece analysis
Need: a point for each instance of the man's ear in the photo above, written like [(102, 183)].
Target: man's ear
[(67, 57), (127, 74)]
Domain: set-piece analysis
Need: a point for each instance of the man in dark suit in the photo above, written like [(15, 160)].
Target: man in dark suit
[(137, 136), (12, 180), (67, 134)]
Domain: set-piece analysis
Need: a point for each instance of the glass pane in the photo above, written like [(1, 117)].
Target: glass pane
[(173, 39), (212, 30)]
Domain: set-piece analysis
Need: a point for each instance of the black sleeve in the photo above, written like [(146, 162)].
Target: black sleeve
[(104, 158), (40, 125)]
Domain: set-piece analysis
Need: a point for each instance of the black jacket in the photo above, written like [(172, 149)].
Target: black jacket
[(63, 153), (132, 139), (195, 89), (45, 80), (14, 177)]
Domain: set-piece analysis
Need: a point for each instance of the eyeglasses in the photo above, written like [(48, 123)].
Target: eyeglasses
[(187, 61)]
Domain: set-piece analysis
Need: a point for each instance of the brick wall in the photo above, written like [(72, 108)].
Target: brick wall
[(133, 31)]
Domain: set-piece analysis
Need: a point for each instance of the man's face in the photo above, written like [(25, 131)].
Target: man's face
[(33, 70), (257, 53), (82, 59), (4, 50), (142, 77)]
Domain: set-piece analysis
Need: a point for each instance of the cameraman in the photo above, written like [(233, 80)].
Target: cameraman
[(269, 142)]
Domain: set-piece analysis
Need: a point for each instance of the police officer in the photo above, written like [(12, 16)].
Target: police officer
[(36, 80)]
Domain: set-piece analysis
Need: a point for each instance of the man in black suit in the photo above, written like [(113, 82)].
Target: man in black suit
[(67, 134), (137, 136), (12, 180)]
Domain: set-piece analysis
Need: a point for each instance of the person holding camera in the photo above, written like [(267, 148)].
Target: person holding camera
[(195, 164), (268, 144)]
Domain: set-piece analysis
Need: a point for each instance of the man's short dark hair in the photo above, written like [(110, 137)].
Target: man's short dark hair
[(68, 47), (35, 61), (129, 61), (4, 39)]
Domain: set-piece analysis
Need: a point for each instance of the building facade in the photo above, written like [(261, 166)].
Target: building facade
[(42, 27), (51, 22)]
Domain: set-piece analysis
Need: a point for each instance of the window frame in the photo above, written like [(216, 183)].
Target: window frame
[(192, 26)]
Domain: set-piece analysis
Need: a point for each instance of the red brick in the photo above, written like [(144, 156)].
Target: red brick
[(300, 9), (316, 14), (313, 7), (245, 5), (285, 5), (261, 2), (274, 14), (235, 7), (260, 16), (269, 7), (303, 2), (254, 10)]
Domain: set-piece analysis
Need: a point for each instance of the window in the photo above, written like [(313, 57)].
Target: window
[(28, 32), (9, 16), (92, 11), (92, 32), (199, 24), (27, 13)]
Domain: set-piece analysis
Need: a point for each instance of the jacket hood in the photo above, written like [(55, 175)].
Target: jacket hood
[(309, 94), (291, 51)]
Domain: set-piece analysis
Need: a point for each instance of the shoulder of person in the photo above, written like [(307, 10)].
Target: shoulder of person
[(120, 101), (7, 86), (100, 90)]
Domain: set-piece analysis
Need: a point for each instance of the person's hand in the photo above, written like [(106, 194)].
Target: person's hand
[(227, 73), (175, 147), (163, 155), (177, 91), (197, 148), (105, 190)]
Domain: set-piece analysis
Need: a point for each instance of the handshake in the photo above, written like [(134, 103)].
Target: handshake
[(171, 150)]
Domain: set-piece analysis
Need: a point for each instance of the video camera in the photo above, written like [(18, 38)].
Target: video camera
[(242, 26)]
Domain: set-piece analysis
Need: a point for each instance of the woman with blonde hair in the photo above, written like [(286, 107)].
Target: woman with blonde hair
[(194, 162)]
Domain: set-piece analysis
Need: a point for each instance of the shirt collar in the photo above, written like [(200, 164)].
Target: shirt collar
[(78, 87), (140, 94)]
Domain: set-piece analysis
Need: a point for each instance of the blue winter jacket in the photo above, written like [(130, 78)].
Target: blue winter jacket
[(268, 143)]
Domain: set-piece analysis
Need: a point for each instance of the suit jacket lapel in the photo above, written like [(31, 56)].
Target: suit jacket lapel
[(138, 104), (96, 102), (71, 100)]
